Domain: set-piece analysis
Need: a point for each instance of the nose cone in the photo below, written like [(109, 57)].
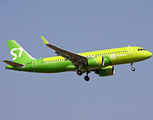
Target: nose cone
[(148, 54)]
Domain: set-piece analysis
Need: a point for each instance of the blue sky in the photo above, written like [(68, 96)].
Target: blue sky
[(78, 26)]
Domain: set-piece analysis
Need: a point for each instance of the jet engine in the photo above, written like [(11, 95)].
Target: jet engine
[(106, 71)]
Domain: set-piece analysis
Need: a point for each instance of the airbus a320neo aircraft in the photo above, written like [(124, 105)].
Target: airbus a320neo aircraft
[(101, 62)]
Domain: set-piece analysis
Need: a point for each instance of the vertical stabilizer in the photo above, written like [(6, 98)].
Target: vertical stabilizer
[(17, 52)]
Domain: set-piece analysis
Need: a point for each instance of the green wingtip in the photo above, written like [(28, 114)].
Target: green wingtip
[(44, 40)]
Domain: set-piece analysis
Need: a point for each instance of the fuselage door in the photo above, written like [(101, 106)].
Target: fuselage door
[(34, 63), (130, 50)]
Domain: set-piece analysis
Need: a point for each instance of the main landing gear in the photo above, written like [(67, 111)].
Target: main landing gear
[(86, 78), (79, 72), (132, 68)]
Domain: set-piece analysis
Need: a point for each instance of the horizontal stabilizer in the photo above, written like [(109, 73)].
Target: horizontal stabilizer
[(14, 64)]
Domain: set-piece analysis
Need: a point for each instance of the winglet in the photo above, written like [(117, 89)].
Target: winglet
[(44, 40)]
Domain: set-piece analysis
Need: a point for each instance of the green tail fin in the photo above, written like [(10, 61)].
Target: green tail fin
[(17, 52)]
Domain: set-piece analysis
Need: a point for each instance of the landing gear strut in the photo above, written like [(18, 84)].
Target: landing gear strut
[(79, 72), (87, 77), (132, 68)]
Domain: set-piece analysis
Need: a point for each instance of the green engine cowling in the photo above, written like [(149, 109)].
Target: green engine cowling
[(95, 62), (106, 71)]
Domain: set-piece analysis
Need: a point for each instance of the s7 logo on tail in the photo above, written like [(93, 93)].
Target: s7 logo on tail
[(14, 54)]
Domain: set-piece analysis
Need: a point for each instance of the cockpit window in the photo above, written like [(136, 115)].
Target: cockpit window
[(141, 49)]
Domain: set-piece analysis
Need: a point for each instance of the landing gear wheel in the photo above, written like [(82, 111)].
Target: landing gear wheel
[(79, 72), (133, 69), (86, 78)]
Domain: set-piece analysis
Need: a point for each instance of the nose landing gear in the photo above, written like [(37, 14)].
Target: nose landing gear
[(132, 68)]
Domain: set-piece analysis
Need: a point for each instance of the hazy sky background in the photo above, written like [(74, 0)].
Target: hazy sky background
[(78, 26)]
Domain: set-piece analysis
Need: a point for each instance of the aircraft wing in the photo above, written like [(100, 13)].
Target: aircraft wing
[(73, 57)]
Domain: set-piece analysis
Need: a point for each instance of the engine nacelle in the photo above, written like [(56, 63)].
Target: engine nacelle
[(95, 62), (106, 71)]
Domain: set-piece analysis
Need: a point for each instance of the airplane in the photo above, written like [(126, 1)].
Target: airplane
[(100, 62)]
